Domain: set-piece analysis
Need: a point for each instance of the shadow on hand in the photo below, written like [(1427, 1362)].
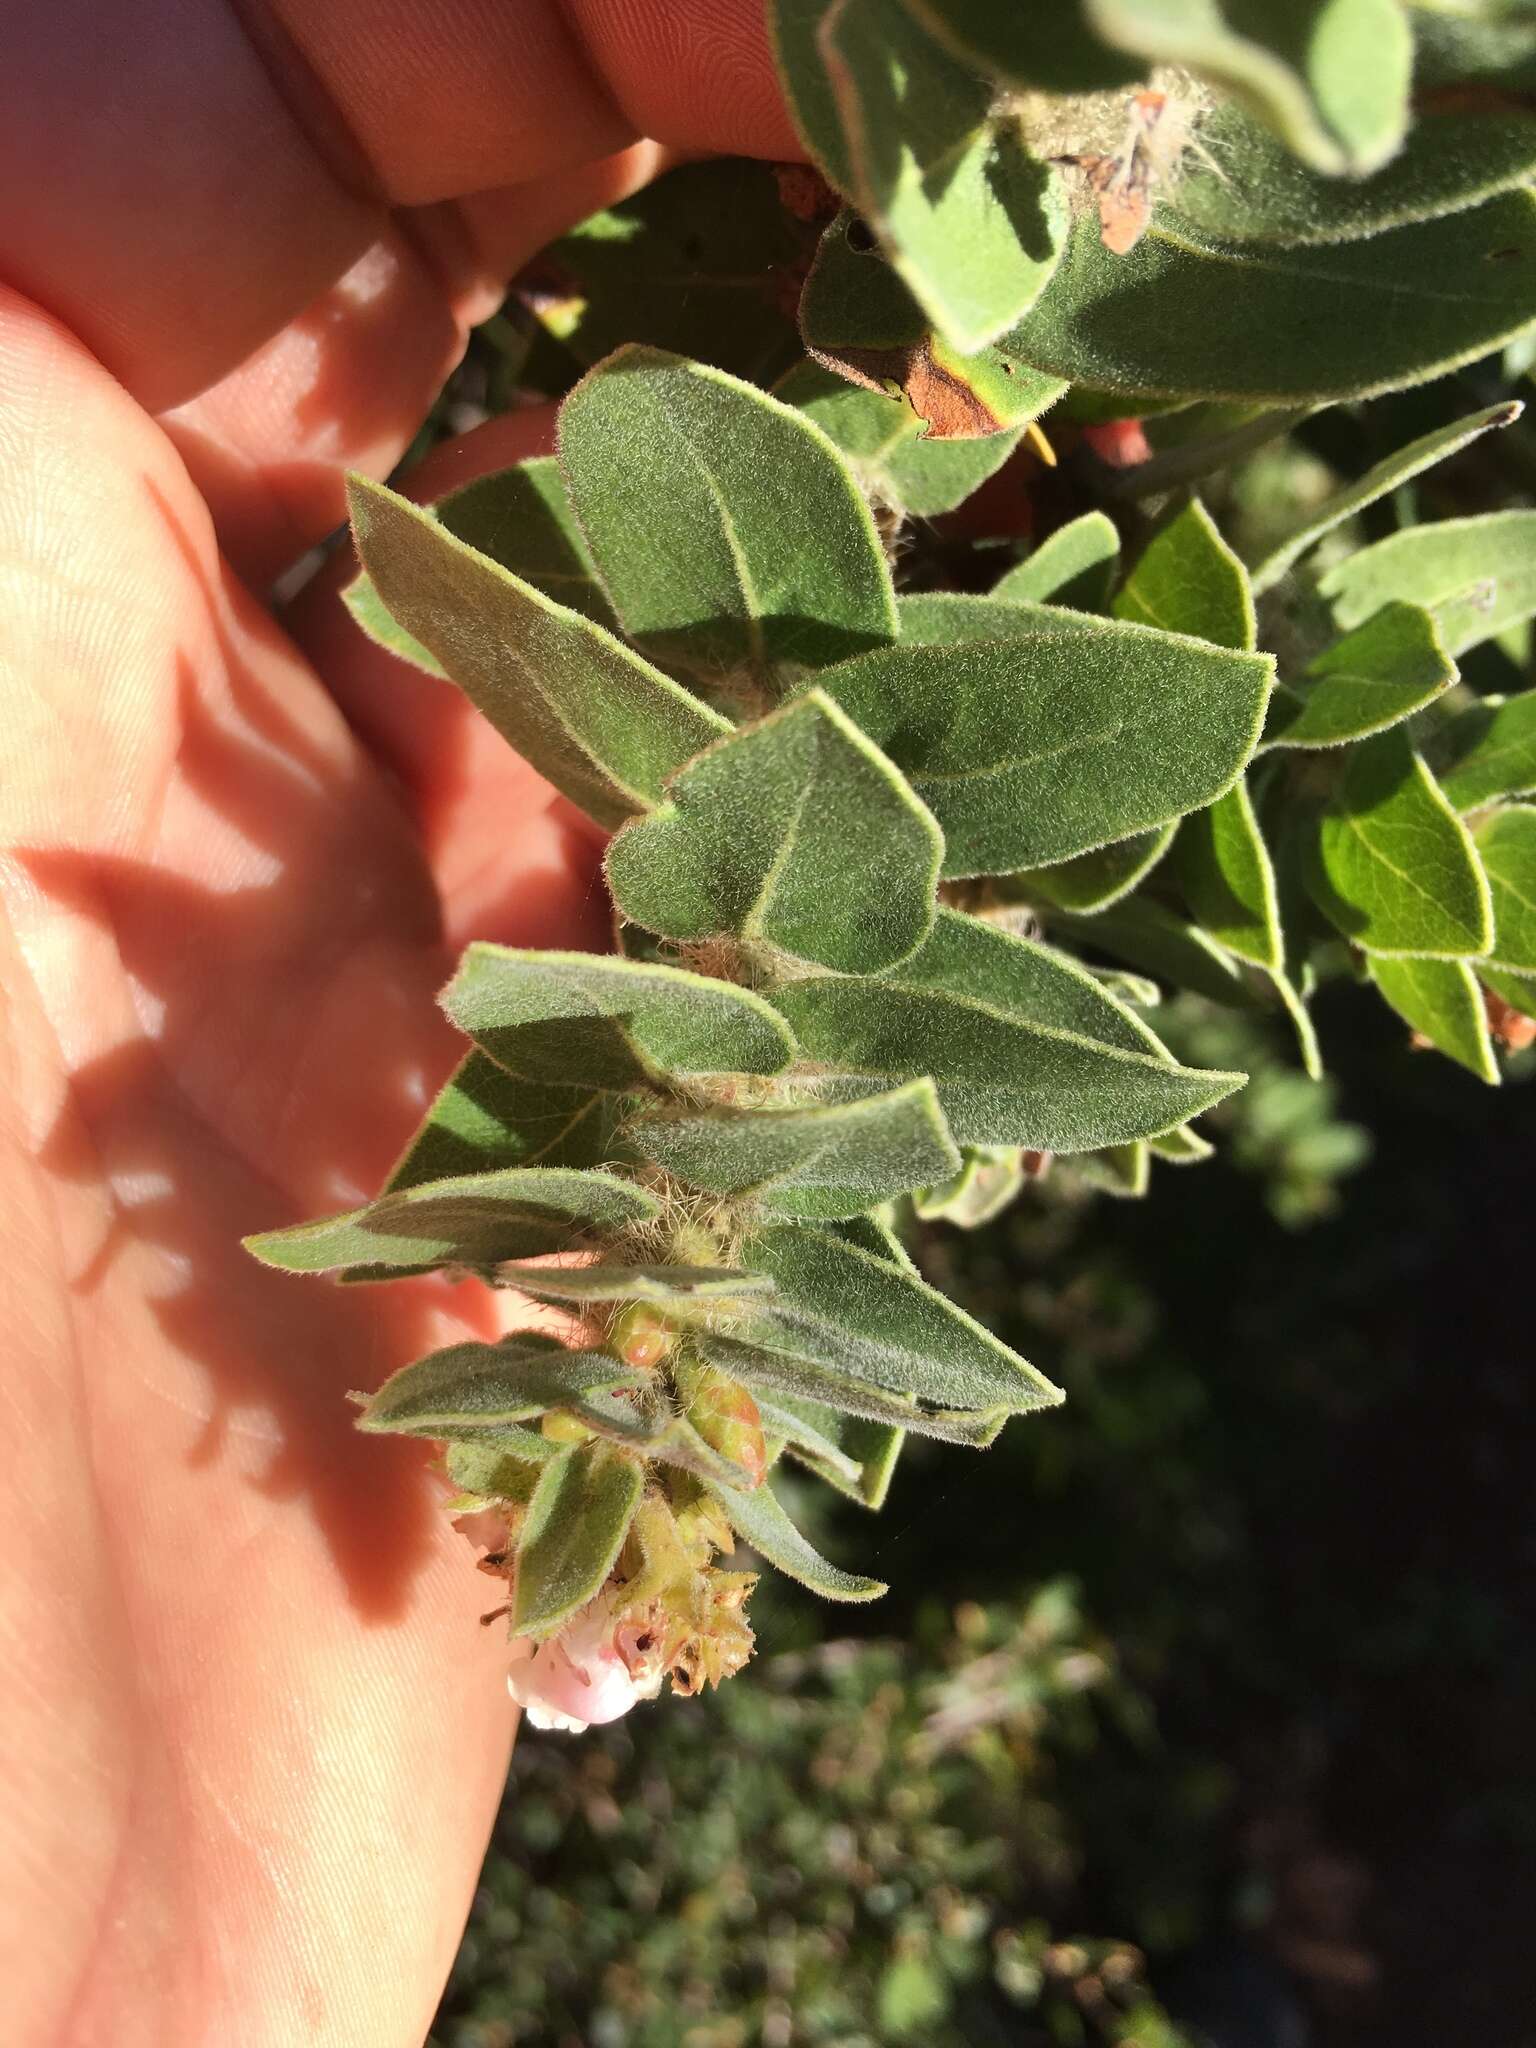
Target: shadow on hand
[(288, 1041)]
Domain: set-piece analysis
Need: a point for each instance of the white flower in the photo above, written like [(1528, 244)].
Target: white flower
[(580, 1678)]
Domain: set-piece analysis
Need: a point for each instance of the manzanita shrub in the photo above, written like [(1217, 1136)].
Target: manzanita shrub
[(910, 834)]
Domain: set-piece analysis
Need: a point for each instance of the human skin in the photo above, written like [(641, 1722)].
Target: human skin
[(254, 1737)]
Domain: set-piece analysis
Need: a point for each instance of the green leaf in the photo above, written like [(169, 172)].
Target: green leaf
[(758, 1519), (1228, 878), (671, 1286), (1024, 1046), (788, 1373), (1244, 185), (1183, 315), (843, 1307), (371, 616), (519, 517), (601, 724), (1182, 1147), (485, 1117), (1188, 580), (795, 836), (570, 1540), (501, 1467), (1061, 733), (827, 1162), (855, 1456), (988, 1181), (969, 219), (608, 1023), (1124, 1171), (859, 319), (1093, 881), (1487, 751), (473, 1391), (1443, 1002), (1330, 77), (474, 1219), (1074, 566), (885, 443), (1506, 846), (1477, 575), (1052, 48), (1153, 938), (1518, 990), (728, 531), (1380, 481), (1374, 677), (1395, 869), (522, 518)]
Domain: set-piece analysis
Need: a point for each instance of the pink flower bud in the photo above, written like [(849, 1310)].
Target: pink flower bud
[(581, 1678)]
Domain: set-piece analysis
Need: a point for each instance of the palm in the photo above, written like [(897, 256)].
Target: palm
[(252, 1637), (254, 1737)]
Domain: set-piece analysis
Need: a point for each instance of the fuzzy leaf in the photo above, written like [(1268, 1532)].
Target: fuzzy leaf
[(885, 443), (485, 1117), (989, 1180), (575, 1528), (501, 1466), (1477, 575), (758, 1519), (1379, 482), (970, 220), (796, 835), (1374, 677), (1188, 580), (1228, 878), (1184, 316), (614, 1024), (1148, 936), (1182, 1147), (1330, 77), (829, 1162), (1253, 189), (601, 724), (1075, 566), (1124, 1171), (1054, 49), (522, 518), (1518, 990), (859, 319), (727, 529), (1092, 881), (855, 1456), (1487, 751), (372, 617), (473, 1219), (1506, 846), (1395, 868), (671, 1286), (471, 1391), (1025, 1048), (786, 1371), (1060, 734), (842, 1306), (1442, 1001)]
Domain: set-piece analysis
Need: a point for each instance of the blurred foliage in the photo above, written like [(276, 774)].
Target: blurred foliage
[(863, 1846)]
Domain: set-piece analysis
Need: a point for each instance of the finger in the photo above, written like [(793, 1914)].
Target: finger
[(221, 176), (466, 788), (348, 381)]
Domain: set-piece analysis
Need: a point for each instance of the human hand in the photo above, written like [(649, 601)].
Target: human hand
[(255, 1739)]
